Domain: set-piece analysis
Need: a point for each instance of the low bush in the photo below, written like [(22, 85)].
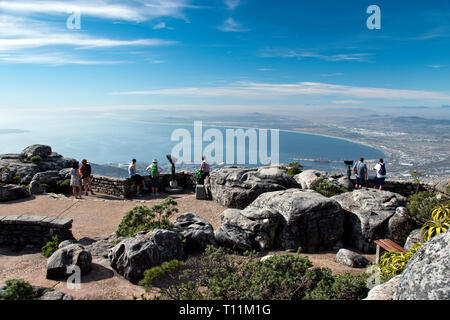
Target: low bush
[(36, 159), (394, 262), (421, 205), (141, 218), (292, 168), (63, 186), (17, 289), (222, 275), (167, 268), (327, 189), (50, 247), (439, 223)]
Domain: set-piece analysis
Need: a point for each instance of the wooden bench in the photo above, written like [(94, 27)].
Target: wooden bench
[(387, 245)]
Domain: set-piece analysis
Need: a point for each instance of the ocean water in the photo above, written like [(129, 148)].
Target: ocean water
[(113, 140)]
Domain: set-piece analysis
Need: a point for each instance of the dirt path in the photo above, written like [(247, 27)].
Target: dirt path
[(99, 216)]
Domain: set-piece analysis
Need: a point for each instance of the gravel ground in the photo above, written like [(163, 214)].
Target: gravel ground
[(99, 216)]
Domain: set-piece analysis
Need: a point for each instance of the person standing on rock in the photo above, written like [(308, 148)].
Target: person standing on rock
[(137, 179), (86, 174), (381, 174), (204, 169), (360, 170), (75, 180), (154, 171)]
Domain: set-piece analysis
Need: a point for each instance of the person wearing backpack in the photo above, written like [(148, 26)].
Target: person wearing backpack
[(360, 170), (154, 171), (381, 174)]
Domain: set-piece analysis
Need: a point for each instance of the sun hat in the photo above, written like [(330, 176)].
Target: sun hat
[(155, 161)]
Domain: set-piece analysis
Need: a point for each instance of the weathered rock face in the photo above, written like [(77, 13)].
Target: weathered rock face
[(133, 256), (47, 177), (37, 150), (443, 186), (426, 276), (251, 228), (238, 187), (308, 178), (351, 259), (368, 212), (12, 192), (197, 232), (400, 225), (18, 168), (36, 187), (413, 238), (384, 291), (73, 254), (286, 219)]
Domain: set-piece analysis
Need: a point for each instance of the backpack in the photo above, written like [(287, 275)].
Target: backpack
[(382, 171), (355, 171), (154, 170), (86, 170)]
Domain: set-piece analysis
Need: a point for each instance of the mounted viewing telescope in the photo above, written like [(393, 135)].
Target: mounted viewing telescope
[(349, 164), (172, 162)]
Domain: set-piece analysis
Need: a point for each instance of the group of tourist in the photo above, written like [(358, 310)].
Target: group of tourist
[(81, 177), (153, 170), (361, 174)]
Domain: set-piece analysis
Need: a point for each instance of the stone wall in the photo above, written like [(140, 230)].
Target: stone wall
[(126, 188), (405, 188), (35, 231)]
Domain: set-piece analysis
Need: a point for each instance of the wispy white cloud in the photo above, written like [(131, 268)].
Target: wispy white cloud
[(230, 25), (269, 90), (347, 102), (162, 25), (232, 4), (360, 57), (54, 59), (132, 10)]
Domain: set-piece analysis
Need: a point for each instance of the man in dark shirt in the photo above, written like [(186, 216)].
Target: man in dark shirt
[(86, 174)]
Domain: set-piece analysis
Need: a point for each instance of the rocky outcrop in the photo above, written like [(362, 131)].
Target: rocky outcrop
[(12, 192), (308, 178), (61, 259), (351, 259), (18, 168), (413, 238), (237, 187), (443, 186), (384, 291), (197, 232), (367, 216), (133, 256), (426, 275), (400, 226), (286, 219)]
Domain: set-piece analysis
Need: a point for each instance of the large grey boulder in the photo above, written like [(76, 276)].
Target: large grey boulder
[(384, 291), (368, 212), (286, 219), (47, 177), (237, 187), (413, 238), (12, 192), (443, 186), (197, 232), (36, 187), (426, 275), (308, 177), (65, 257), (400, 226), (351, 259), (133, 256), (251, 228), (37, 150)]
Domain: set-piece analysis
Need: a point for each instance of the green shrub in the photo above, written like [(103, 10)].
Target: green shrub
[(141, 218), (36, 159), (50, 247), (17, 289), (154, 273), (439, 223), (221, 275), (45, 187), (327, 189), (421, 205), (292, 168), (63, 186), (392, 263)]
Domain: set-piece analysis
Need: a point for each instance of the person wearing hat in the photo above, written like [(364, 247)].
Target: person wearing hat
[(86, 174), (137, 179), (154, 170)]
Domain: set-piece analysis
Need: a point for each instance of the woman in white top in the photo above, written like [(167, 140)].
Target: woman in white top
[(75, 180)]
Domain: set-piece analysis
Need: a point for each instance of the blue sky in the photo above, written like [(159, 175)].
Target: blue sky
[(243, 55)]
